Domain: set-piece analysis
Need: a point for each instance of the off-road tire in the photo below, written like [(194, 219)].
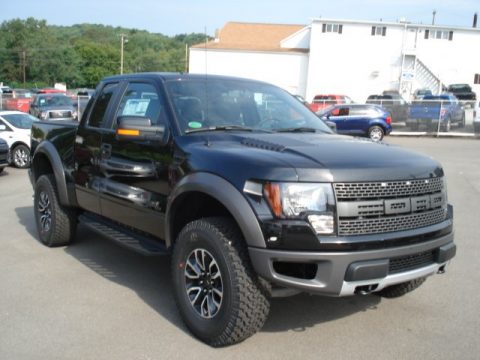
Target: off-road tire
[(19, 152), (398, 290), (62, 220), (245, 305), (376, 133)]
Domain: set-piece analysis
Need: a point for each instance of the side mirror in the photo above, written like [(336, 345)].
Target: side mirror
[(139, 128), (3, 127)]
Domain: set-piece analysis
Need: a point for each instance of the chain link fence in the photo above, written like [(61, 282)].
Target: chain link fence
[(439, 115), (442, 115)]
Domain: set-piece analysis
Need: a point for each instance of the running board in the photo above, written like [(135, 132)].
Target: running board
[(139, 243)]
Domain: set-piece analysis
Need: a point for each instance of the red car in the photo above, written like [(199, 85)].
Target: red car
[(322, 101), (20, 100)]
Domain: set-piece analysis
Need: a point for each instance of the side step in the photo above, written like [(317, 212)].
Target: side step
[(139, 243)]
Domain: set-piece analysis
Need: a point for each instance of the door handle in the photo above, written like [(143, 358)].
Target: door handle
[(105, 151)]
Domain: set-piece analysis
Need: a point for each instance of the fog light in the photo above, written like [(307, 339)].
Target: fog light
[(322, 224)]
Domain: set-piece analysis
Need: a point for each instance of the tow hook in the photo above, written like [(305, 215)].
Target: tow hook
[(441, 270), (366, 289)]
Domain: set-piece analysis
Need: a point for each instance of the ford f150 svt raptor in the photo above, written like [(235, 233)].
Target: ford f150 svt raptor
[(251, 194)]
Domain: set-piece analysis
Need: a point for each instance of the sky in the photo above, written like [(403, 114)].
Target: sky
[(197, 16)]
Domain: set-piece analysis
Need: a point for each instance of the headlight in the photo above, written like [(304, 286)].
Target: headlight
[(310, 201), (43, 115), (74, 114)]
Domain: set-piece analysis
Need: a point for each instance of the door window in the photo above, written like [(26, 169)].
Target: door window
[(97, 116), (141, 99)]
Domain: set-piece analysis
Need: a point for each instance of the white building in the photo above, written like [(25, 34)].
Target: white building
[(355, 58)]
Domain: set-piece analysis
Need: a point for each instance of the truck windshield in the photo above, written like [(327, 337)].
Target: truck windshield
[(239, 105)]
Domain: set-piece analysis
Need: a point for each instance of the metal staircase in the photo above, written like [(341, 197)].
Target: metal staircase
[(426, 79)]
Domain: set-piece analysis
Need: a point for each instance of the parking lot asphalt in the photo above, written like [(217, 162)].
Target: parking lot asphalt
[(96, 300)]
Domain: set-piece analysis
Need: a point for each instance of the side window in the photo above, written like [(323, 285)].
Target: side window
[(4, 125), (335, 112), (343, 112), (99, 109), (141, 99), (357, 111)]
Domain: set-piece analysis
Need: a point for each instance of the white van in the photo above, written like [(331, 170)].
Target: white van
[(476, 117)]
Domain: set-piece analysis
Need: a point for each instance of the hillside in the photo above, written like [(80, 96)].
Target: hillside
[(33, 53)]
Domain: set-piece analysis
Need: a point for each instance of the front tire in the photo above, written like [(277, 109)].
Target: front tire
[(56, 224), (218, 294), (398, 290), (447, 126), (376, 133), (21, 156)]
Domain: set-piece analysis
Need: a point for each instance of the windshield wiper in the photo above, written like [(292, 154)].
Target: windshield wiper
[(221, 128)]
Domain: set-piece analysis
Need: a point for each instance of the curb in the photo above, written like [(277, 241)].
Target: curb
[(430, 134)]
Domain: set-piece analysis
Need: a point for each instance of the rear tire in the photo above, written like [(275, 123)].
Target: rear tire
[(398, 290), (218, 294), (56, 224), (447, 126), (376, 133)]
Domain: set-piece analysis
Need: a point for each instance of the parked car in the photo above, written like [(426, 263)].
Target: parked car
[(53, 106), (3, 155), (50, 90), (393, 102), (476, 118), (5, 94), (359, 119), (462, 91), (443, 108), (322, 101), (419, 94), (15, 129), (20, 100)]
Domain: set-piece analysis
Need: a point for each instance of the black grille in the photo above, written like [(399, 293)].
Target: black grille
[(60, 114), (411, 262), (380, 207), (390, 224), (387, 189)]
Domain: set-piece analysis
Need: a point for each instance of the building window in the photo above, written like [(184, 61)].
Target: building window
[(332, 28), (379, 30), (476, 81), (439, 34)]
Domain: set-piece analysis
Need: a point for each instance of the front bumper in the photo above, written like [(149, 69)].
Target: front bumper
[(344, 273)]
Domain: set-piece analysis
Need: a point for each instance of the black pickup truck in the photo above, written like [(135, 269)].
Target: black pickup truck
[(251, 194)]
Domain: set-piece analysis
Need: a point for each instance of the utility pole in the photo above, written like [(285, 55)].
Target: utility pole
[(123, 40), (24, 66)]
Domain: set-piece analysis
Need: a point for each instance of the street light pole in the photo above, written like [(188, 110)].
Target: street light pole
[(123, 40)]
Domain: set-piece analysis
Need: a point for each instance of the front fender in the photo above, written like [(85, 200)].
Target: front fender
[(224, 192), (48, 149)]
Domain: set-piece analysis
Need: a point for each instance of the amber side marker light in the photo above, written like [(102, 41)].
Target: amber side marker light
[(272, 193), (128, 132)]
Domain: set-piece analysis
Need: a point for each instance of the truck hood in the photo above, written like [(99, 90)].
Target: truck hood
[(310, 157)]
